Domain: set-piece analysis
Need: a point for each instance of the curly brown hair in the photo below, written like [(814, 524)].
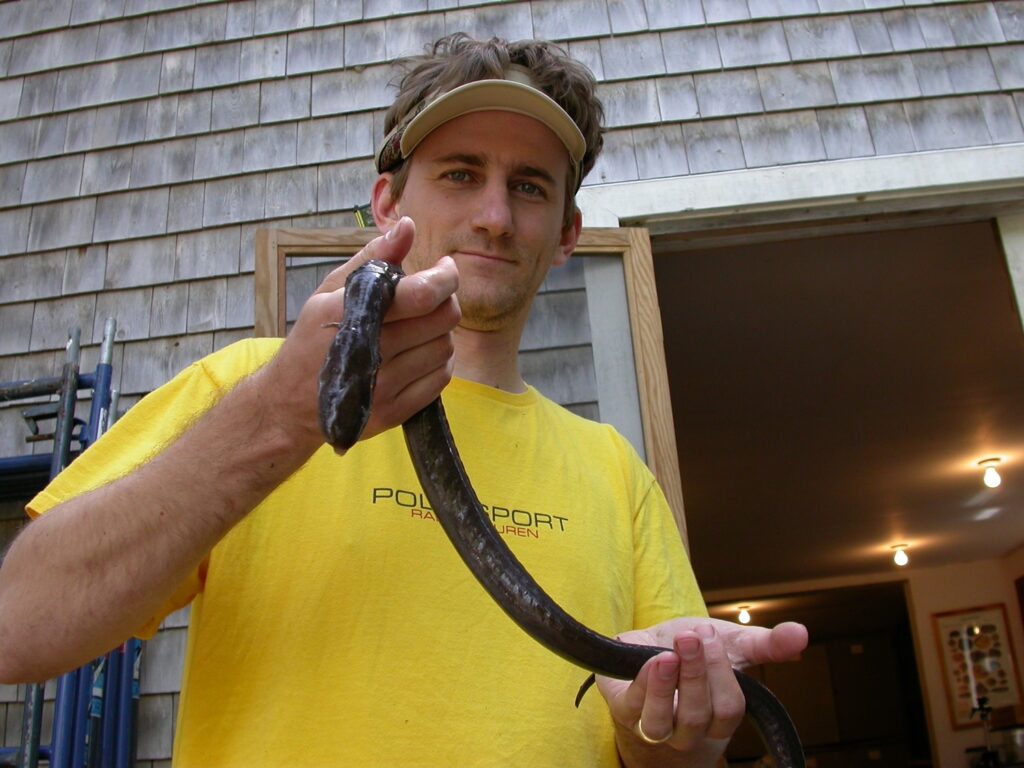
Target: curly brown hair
[(458, 59)]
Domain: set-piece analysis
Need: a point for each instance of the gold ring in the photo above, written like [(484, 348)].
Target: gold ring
[(648, 739)]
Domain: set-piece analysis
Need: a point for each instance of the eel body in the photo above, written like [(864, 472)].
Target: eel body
[(346, 389)]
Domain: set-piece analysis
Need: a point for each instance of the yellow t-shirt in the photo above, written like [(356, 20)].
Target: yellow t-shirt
[(335, 625)]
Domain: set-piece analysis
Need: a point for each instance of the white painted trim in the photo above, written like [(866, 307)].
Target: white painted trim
[(1011, 232), (855, 181), (612, 343)]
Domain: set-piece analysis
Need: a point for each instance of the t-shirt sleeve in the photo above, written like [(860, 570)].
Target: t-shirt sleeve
[(666, 587), (154, 423)]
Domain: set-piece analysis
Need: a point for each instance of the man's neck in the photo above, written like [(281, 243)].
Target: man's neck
[(489, 357)]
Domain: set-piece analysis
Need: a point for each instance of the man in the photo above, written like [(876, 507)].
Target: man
[(332, 624)]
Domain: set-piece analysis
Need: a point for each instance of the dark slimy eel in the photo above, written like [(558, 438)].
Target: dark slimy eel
[(349, 373), (346, 390)]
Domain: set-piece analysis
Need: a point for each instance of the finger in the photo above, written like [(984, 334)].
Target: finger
[(748, 646), (410, 365), (421, 292), (657, 718), (727, 702), (397, 337), (412, 398), (625, 697), (392, 247), (694, 710)]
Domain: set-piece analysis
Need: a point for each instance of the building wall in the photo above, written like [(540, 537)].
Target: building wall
[(143, 142)]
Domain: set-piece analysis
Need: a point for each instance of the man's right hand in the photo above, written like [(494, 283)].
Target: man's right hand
[(417, 354)]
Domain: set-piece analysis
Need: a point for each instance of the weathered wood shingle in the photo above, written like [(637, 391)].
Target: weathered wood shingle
[(677, 98), (796, 86), (58, 225), (745, 45), (821, 38), (187, 27), (207, 302), (845, 133), (728, 93), (106, 171), (169, 310), (315, 50), (409, 35), (627, 16), (512, 21), (660, 151), (291, 192), (185, 207), (54, 318), (129, 215), (33, 276), (871, 33), (691, 50), (713, 145), (665, 14), (1011, 18), (85, 270), (143, 262), (207, 253), (1001, 117), (271, 146), (630, 102), (132, 310), (1009, 65), (632, 56)]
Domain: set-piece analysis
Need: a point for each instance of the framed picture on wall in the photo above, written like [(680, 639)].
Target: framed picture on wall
[(977, 661)]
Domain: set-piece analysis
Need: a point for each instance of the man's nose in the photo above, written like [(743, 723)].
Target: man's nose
[(493, 210)]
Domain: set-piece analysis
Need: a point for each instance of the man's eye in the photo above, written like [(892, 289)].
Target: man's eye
[(530, 189), (457, 175)]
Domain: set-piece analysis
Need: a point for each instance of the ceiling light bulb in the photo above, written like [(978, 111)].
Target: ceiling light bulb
[(991, 477), (744, 616), (900, 556)]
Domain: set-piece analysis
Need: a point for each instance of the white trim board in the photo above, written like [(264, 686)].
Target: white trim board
[(906, 181)]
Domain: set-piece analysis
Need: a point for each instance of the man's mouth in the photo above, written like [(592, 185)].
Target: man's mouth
[(482, 255)]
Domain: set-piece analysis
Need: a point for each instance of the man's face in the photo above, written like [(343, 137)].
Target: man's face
[(488, 188)]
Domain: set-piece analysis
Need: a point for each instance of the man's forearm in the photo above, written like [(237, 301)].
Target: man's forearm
[(83, 577)]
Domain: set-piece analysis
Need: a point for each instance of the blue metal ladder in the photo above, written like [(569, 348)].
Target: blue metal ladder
[(96, 707)]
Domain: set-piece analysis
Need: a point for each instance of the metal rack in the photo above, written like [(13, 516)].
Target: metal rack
[(96, 707)]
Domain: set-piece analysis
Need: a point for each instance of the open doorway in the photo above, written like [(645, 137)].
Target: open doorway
[(834, 386), (832, 396)]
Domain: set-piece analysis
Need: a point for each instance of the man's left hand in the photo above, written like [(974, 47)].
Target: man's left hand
[(685, 704)]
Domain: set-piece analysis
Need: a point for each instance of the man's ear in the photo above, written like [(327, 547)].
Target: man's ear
[(386, 212), (570, 236)]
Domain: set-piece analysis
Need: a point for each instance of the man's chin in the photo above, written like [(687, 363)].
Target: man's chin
[(484, 317)]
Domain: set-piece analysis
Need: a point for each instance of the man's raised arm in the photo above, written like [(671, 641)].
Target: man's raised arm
[(86, 575)]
